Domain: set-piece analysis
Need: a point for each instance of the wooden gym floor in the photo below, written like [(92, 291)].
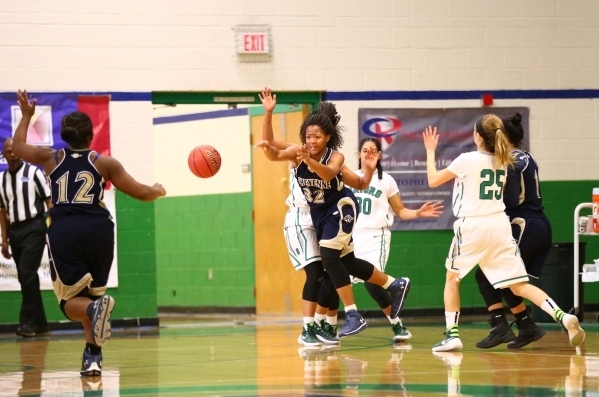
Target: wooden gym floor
[(249, 356)]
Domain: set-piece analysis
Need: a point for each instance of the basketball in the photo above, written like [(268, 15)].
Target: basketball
[(204, 161)]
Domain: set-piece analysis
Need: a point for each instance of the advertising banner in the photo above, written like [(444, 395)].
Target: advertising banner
[(404, 156)]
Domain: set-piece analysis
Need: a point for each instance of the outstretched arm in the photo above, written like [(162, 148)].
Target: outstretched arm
[(43, 156), (112, 170), (428, 210), (352, 179), (431, 138), (269, 101), (274, 154)]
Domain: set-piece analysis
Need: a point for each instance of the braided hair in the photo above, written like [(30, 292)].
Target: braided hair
[(327, 118), (377, 143), (77, 130)]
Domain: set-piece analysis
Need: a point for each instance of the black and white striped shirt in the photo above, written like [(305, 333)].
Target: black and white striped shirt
[(23, 192)]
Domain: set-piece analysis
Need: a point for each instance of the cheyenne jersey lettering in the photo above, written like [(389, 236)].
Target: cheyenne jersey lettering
[(478, 186), (522, 195), (77, 186), (296, 198), (375, 210), (320, 194)]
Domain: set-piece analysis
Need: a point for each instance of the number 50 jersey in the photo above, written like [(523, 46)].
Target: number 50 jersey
[(77, 186)]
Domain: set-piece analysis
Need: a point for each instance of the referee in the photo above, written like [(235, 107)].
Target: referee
[(23, 191)]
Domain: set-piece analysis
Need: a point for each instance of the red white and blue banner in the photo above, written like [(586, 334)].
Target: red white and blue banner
[(404, 157), (44, 130)]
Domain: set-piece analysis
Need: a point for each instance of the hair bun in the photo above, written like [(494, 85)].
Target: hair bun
[(517, 119), (329, 109)]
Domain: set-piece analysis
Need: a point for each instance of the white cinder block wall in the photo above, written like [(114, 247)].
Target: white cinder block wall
[(334, 45)]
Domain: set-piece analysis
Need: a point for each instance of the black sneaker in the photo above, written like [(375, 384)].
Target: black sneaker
[(528, 332), (26, 330), (500, 333)]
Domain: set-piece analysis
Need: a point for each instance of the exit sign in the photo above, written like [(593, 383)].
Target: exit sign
[(252, 43)]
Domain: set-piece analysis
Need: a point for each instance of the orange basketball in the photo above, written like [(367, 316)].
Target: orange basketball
[(204, 161)]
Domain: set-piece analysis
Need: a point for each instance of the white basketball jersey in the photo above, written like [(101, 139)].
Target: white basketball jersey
[(478, 186), (375, 210), (296, 198)]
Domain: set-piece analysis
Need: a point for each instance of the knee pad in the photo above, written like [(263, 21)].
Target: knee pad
[(491, 295), (334, 267), (357, 267), (312, 286), (328, 296), (510, 298), (379, 294)]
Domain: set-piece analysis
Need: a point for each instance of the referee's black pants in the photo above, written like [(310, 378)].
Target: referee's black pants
[(27, 240)]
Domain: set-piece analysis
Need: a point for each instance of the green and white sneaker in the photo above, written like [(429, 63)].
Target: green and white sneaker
[(400, 332), (308, 337), (324, 333), (570, 323), (450, 342)]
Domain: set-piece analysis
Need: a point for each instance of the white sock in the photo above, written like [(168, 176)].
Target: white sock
[(319, 317), (351, 307), (388, 283), (332, 320), (393, 320), (549, 307), (308, 320), (451, 318)]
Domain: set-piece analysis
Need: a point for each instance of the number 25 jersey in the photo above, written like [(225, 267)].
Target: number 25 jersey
[(478, 186), (77, 186)]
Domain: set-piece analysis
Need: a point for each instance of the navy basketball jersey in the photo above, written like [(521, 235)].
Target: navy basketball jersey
[(77, 186), (320, 194), (522, 194)]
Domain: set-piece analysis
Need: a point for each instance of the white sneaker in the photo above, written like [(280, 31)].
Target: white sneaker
[(449, 343), (575, 332)]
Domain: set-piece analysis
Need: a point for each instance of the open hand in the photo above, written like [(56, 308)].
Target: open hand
[(269, 101), (370, 161), (27, 108), (262, 144), (431, 210), (303, 155), (160, 188), (431, 138)]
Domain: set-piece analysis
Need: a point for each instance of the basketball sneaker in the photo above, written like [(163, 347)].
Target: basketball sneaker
[(400, 333), (450, 342), (324, 334), (500, 333), (91, 364), (528, 332), (308, 336), (354, 324), (99, 313), (570, 323), (399, 289)]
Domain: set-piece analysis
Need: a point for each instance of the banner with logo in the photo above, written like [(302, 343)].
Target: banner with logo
[(44, 130), (404, 157)]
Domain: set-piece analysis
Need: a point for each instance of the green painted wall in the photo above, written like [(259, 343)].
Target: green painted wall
[(136, 294), (199, 236)]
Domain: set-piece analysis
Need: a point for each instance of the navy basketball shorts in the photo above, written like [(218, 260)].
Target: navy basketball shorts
[(334, 225), (534, 240), (81, 250)]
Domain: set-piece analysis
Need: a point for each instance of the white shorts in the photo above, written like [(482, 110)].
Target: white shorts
[(372, 245), (488, 242), (300, 237)]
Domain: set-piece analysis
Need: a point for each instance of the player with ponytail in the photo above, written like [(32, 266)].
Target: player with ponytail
[(483, 234), (333, 210)]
